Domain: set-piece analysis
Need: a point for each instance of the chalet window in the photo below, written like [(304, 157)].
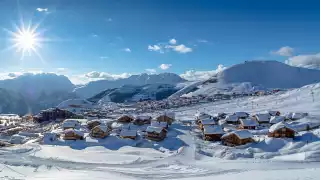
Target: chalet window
[(283, 129)]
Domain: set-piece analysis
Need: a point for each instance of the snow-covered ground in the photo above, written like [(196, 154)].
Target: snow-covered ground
[(183, 154)]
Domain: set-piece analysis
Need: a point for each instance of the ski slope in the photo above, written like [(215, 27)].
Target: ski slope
[(183, 155)]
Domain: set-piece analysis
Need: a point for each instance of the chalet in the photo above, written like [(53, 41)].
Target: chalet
[(73, 134), (220, 115), (262, 118), (202, 115), (241, 114), (125, 118), (53, 114), (128, 133), (156, 133), (212, 132), (70, 124), (281, 129), (168, 117), (232, 119), (100, 131), (93, 123), (206, 122), (276, 119), (248, 123), (163, 125), (296, 116), (141, 120), (237, 138), (274, 113)]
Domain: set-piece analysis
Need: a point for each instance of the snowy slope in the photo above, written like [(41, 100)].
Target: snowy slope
[(96, 87), (254, 75)]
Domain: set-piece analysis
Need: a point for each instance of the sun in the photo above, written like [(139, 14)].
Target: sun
[(27, 40)]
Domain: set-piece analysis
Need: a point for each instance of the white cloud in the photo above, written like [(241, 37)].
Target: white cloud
[(180, 48), (104, 75), (202, 41), (284, 51), (307, 61), (165, 66), (42, 9), (193, 75), (155, 48), (173, 41), (61, 70), (151, 71), (127, 50)]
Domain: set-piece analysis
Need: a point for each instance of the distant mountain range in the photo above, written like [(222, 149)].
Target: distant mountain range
[(33, 92)]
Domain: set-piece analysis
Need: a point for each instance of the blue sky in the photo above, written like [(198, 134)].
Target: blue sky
[(115, 38)]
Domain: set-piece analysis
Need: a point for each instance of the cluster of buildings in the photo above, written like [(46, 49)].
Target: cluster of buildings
[(235, 129)]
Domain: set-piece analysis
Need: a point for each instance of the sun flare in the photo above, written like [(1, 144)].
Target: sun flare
[(26, 41)]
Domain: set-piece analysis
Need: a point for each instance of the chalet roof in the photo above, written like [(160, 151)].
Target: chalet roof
[(248, 122), (298, 115), (126, 132), (103, 128), (159, 124), (202, 115), (70, 123), (272, 113), (279, 126), (242, 134), (126, 115), (170, 114), (212, 129), (151, 129), (241, 114), (263, 117), (207, 121), (80, 133), (232, 118), (276, 119)]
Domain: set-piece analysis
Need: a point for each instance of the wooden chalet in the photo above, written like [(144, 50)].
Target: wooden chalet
[(281, 130), (232, 119), (73, 134), (206, 122), (248, 123), (70, 124), (93, 123), (241, 114), (274, 113), (276, 119), (128, 133), (100, 131), (262, 118), (141, 120), (125, 118), (168, 117), (212, 132), (237, 138), (202, 115), (156, 133)]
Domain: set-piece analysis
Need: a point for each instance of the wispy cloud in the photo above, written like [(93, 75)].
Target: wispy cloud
[(193, 75), (306, 60), (61, 70), (155, 48), (165, 66), (284, 51), (180, 48), (109, 19), (202, 41), (127, 50), (152, 71), (42, 9), (173, 41), (104, 57)]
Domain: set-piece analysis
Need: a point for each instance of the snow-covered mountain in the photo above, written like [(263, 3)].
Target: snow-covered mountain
[(253, 75), (93, 88), (33, 85)]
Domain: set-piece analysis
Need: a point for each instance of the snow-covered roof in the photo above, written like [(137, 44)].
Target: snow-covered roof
[(170, 114), (80, 133), (241, 114), (207, 121), (202, 115), (276, 119), (248, 122), (103, 128), (232, 118), (272, 113), (242, 134), (126, 115), (70, 123), (159, 124), (151, 129), (126, 132), (263, 117), (144, 117), (212, 129), (298, 115), (279, 126)]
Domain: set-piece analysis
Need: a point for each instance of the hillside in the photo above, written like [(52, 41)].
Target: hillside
[(251, 76), (93, 88)]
